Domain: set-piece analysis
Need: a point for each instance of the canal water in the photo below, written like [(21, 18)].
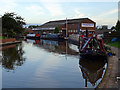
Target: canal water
[(48, 64)]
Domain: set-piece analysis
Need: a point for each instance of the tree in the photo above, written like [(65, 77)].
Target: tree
[(117, 27), (114, 34), (56, 30), (112, 27), (33, 26), (12, 24)]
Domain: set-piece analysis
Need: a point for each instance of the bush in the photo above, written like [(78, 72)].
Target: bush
[(56, 30)]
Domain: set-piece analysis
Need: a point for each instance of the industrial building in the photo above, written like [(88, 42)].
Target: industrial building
[(72, 26)]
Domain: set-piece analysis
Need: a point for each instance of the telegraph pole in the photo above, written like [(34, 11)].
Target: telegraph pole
[(66, 28)]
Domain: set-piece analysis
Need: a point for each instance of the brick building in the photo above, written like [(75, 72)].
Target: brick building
[(74, 26)]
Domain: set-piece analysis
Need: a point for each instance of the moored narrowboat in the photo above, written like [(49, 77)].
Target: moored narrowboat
[(52, 36)]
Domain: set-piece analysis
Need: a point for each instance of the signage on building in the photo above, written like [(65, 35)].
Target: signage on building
[(87, 25), (85, 30)]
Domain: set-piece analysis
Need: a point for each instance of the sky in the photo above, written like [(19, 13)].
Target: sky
[(103, 12)]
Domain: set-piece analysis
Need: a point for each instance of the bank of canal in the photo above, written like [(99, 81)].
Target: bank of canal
[(112, 73), (49, 64)]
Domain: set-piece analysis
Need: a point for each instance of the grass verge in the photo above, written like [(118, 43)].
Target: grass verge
[(1, 37), (114, 44)]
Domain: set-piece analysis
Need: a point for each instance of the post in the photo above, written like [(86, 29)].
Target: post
[(66, 27), (86, 82), (79, 35), (1, 54), (78, 29), (86, 32), (66, 50)]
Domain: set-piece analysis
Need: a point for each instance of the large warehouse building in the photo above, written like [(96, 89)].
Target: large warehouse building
[(74, 26)]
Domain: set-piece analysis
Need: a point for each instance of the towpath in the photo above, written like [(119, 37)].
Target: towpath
[(112, 75)]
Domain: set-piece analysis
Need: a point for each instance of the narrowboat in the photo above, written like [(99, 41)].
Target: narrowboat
[(52, 36), (32, 36)]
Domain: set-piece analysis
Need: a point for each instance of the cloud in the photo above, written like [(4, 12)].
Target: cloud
[(109, 13), (54, 8), (7, 6), (35, 10), (105, 19), (78, 14), (66, 0), (112, 11)]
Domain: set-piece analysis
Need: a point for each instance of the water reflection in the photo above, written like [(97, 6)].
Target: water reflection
[(44, 64), (13, 57), (60, 47), (92, 71)]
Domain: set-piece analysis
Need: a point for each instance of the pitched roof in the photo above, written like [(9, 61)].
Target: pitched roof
[(58, 23), (102, 31)]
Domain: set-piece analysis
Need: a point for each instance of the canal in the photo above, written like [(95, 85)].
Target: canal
[(48, 64)]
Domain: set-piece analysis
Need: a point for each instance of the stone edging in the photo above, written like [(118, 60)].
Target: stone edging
[(7, 40), (10, 41)]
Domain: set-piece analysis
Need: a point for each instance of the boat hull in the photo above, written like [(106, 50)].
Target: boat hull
[(32, 37), (48, 38), (93, 56)]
